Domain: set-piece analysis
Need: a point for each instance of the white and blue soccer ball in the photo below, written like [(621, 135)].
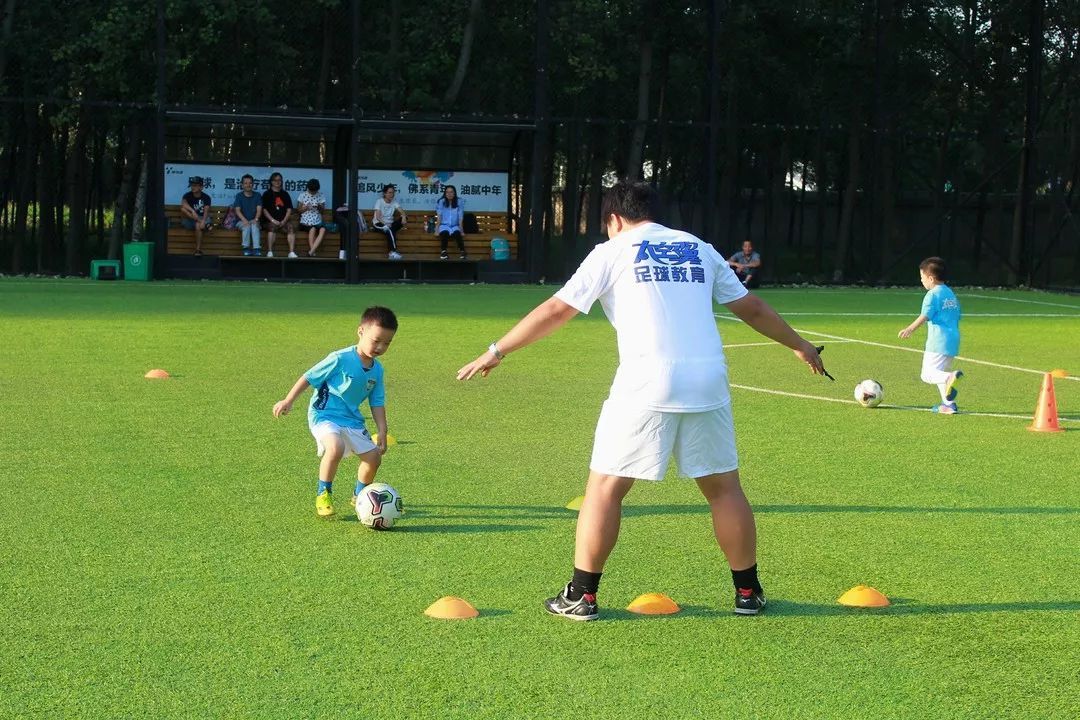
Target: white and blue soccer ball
[(378, 506), (869, 393)]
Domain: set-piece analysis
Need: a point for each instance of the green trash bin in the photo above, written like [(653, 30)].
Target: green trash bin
[(138, 261)]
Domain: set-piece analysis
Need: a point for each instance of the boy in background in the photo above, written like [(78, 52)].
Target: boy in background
[(941, 310)]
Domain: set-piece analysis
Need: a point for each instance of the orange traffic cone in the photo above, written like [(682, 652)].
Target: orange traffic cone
[(1046, 417)]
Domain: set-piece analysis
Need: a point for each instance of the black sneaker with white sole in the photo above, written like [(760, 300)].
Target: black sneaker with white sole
[(748, 602), (583, 609)]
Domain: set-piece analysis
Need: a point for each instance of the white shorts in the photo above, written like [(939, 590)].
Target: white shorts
[(636, 443), (356, 440), (936, 367)]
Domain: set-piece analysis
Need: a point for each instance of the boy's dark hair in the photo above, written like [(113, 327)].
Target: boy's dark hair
[(247, 176), (381, 316), (312, 185), (633, 201), (934, 267)]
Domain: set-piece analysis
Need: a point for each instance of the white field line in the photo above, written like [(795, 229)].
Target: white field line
[(892, 407), (910, 349), (771, 342), (1018, 300), (915, 350), (908, 314)]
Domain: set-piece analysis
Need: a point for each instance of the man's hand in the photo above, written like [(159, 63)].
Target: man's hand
[(282, 407), (809, 355), (482, 365)]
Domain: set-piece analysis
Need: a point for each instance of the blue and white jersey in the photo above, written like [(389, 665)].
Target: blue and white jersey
[(657, 287), (341, 384), (942, 311)]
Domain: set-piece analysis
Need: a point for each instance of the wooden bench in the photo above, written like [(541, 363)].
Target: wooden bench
[(226, 243), (415, 242)]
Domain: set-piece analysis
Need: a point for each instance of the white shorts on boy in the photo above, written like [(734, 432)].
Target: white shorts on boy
[(356, 440), (936, 368), (638, 443)]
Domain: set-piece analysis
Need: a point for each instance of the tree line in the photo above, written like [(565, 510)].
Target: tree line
[(845, 135)]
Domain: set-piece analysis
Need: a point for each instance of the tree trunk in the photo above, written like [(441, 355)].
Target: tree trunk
[(26, 188), (451, 96), (138, 218), (394, 101), (324, 62), (645, 54), (75, 186), (593, 222), (46, 201), (847, 213), (127, 184), (5, 40)]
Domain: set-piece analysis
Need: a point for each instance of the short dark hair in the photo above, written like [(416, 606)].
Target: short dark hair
[(934, 267), (631, 201), (312, 185), (381, 316), (247, 176)]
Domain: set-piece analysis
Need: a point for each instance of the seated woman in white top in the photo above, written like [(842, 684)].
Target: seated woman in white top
[(451, 213), (311, 204), (384, 220)]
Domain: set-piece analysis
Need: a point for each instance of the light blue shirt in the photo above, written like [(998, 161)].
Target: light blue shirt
[(450, 218), (942, 311), (341, 384)]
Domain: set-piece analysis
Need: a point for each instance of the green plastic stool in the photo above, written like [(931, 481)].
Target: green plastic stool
[(105, 269)]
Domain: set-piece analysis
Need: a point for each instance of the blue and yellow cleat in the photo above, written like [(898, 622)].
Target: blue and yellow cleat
[(324, 504), (946, 409), (950, 387)]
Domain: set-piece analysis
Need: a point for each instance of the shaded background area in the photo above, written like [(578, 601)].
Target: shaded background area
[(847, 140)]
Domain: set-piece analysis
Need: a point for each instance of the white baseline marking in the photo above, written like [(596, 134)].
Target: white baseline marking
[(771, 342), (892, 407), (908, 314), (1018, 300), (841, 338), (915, 350)]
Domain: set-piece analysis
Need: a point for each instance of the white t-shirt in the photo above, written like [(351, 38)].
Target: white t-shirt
[(657, 287), (384, 211)]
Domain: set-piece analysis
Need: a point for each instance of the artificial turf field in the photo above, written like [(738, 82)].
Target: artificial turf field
[(161, 556)]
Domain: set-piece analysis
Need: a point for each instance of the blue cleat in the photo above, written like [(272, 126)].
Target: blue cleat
[(950, 387), (946, 408)]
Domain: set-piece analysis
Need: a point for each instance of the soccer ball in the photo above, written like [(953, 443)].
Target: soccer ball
[(869, 393), (378, 506)]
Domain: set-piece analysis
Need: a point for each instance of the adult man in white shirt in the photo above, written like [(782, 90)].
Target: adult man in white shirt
[(670, 393)]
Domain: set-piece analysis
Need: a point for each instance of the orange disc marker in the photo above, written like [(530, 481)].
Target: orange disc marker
[(451, 608), (863, 596), (653, 604), (156, 374), (1059, 373)]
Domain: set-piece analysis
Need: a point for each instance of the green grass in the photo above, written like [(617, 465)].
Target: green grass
[(159, 554)]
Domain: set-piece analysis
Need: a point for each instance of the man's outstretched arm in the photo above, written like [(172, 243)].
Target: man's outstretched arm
[(545, 318), (759, 315)]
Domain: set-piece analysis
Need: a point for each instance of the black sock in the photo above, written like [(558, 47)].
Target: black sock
[(746, 578), (584, 583)]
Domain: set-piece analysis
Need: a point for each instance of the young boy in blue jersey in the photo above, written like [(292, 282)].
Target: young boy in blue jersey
[(342, 381), (941, 310)]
